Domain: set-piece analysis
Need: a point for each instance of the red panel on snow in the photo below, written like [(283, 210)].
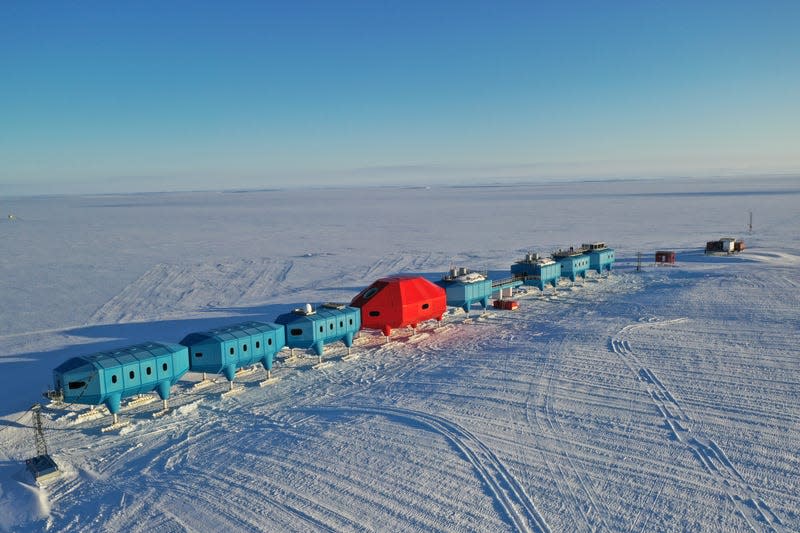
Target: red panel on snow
[(508, 305), (400, 301)]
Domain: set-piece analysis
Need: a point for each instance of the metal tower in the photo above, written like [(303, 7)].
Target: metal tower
[(38, 430), (42, 466)]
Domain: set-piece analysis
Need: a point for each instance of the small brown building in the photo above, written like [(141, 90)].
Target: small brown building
[(665, 257)]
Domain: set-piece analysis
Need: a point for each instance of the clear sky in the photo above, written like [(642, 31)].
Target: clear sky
[(164, 95)]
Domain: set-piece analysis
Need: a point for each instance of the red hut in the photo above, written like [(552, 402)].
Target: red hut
[(665, 257), (400, 301)]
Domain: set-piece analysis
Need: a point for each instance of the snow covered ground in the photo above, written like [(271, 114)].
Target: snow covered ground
[(658, 400)]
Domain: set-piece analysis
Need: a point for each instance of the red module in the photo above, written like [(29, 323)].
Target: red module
[(400, 301)]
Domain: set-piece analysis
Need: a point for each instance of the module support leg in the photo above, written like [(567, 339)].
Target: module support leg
[(115, 418), (165, 405)]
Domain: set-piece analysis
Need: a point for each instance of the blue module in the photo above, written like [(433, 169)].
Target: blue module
[(224, 350), (107, 377), (537, 271), (573, 263), (310, 328), (463, 288), (600, 256)]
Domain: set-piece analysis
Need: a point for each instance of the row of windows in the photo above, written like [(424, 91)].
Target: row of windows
[(72, 385), (232, 350), (296, 332), (132, 374)]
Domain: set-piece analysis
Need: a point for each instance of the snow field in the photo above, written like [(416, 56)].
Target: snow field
[(652, 401)]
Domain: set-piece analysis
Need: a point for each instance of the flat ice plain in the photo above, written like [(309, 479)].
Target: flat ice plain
[(661, 400)]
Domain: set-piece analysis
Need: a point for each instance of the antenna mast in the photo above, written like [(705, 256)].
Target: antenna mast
[(42, 465), (38, 430)]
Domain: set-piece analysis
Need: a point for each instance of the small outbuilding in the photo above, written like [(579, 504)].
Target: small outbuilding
[(314, 328), (665, 257), (725, 245), (400, 301), (224, 350), (464, 288)]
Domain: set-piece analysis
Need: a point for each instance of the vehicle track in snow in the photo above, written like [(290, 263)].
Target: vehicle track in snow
[(504, 487), (180, 288), (557, 473), (394, 263), (597, 511), (746, 502), (571, 479)]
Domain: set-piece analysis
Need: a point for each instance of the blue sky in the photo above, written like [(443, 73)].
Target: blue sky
[(101, 96)]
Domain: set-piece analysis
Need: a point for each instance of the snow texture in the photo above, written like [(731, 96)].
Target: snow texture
[(660, 400)]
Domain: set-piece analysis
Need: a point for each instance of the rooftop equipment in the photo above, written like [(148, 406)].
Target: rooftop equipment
[(594, 246)]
